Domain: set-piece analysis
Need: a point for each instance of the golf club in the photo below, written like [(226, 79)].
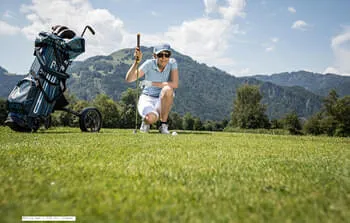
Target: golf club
[(137, 82)]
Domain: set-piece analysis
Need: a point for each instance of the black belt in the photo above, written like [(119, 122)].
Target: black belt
[(150, 95)]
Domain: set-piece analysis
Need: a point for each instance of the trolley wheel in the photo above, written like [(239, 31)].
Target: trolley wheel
[(90, 120)]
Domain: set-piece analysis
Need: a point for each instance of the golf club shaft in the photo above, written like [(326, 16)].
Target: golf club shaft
[(137, 79)]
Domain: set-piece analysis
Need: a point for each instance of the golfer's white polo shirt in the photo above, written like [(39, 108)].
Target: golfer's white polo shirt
[(152, 73)]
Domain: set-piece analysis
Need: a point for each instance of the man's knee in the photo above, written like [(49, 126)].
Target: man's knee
[(167, 91)]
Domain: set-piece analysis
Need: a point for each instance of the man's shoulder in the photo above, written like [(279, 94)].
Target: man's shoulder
[(172, 60), (148, 64), (149, 61)]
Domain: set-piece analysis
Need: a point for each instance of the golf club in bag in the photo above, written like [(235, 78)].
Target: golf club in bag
[(40, 93)]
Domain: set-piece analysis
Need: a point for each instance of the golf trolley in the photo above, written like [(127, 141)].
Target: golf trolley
[(40, 93)]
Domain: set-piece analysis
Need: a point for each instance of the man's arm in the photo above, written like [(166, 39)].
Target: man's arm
[(131, 75), (174, 83)]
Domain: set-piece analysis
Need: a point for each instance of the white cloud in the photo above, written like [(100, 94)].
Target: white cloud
[(207, 39), (204, 39), (271, 45), (231, 10), (300, 24), (210, 6), (269, 49), (244, 71), (340, 45), (7, 29), (331, 70), (274, 39), (234, 9), (292, 10), (110, 32), (240, 72), (341, 39)]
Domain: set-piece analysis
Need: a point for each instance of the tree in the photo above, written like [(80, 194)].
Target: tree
[(3, 111), (342, 116), (174, 121), (276, 124), (109, 111), (248, 112), (78, 106), (128, 107), (329, 103), (313, 125), (197, 124), (224, 123), (328, 125), (188, 121), (209, 125), (292, 123), (334, 119), (65, 118)]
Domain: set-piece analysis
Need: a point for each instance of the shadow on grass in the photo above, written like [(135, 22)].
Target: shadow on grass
[(153, 132), (58, 132), (44, 131), (184, 132)]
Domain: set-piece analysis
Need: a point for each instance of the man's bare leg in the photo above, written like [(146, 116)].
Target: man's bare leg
[(166, 101)]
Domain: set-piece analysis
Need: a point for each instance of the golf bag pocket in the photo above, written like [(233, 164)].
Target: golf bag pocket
[(49, 90), (21, 98)]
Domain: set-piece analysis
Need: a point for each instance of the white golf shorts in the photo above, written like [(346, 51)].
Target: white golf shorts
[(148, 104)]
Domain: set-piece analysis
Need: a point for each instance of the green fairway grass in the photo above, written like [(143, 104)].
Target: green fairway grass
[(118, 176)]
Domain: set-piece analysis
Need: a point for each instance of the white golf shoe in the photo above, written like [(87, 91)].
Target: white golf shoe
[(144, 127), (163, 129)]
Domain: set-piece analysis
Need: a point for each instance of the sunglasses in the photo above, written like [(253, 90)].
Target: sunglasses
[(160, 55)]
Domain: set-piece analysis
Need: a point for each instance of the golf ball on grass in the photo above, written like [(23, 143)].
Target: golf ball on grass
[(174, 134)]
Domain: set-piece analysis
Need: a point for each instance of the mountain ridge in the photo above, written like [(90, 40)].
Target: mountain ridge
[(206, 92), (319, 84)]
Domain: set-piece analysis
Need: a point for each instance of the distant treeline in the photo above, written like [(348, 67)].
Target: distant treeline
[(247, 113)]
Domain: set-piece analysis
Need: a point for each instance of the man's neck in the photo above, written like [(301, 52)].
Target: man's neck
[(160, 68)]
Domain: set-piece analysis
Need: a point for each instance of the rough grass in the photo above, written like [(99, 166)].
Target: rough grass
[(117, 176)]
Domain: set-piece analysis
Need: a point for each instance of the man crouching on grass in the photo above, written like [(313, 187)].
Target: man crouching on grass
[(161, 78)]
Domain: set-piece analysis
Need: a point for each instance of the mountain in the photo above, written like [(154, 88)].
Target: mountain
[(7, 82), (319, 84), (206, 92), (200, 87)]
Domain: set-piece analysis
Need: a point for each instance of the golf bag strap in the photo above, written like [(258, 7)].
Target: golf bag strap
[(42, 74), (58, 57), (58, 74), (47, 98)]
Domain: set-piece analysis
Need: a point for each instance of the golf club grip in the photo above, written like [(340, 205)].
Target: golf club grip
[(91, 30), (138, 40)]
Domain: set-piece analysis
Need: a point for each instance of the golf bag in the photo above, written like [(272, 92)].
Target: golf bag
[(40, 93)]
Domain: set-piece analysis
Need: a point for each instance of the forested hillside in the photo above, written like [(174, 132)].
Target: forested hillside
[(317, 83), (205, 92)]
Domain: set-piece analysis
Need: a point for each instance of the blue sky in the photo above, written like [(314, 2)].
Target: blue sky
[(242, 37)]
